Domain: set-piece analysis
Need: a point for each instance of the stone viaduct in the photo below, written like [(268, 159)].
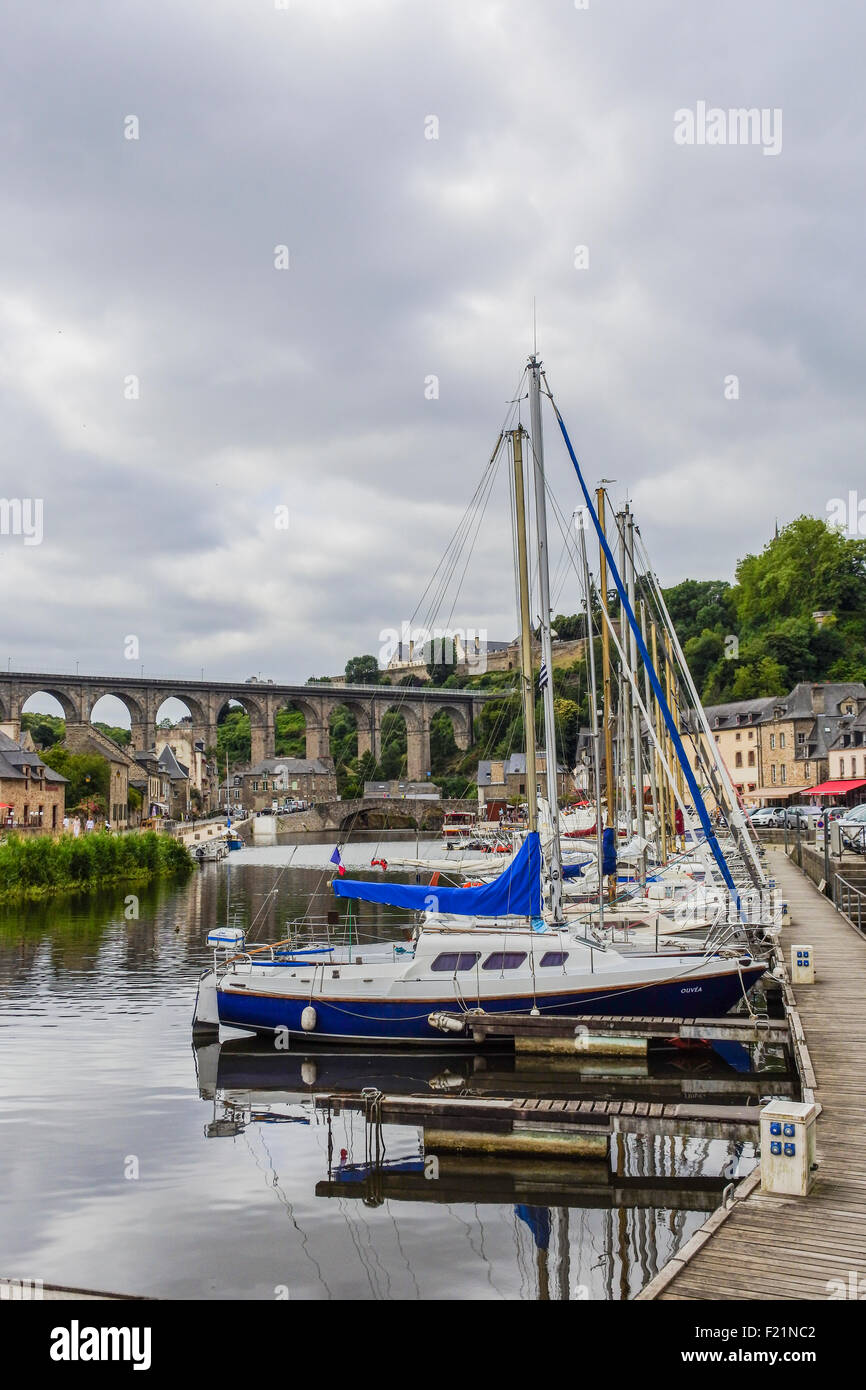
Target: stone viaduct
[(261, 700)]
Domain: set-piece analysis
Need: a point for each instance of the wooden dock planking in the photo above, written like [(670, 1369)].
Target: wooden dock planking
[(736, 1028), (765, 1247)]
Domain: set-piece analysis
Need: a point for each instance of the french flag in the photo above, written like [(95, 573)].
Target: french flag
[(335, 859)]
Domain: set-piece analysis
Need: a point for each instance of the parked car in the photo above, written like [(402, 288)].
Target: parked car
[(765, 815), (830, 813), (804, 817), (854, 816)]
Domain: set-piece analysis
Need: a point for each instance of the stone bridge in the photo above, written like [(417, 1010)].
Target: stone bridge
[(422, 813), (261, 700)]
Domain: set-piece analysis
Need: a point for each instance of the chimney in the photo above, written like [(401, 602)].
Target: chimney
[(817, 699)]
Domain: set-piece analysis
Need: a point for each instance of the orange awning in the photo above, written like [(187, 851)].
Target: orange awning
[(837, 788)]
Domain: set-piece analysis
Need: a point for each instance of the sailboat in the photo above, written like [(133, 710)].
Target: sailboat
[(505, 945), (233, 839)]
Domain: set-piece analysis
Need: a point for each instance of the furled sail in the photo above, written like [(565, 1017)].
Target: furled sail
[(516, 892)]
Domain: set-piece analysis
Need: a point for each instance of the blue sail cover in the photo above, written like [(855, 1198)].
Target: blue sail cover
[(515, 893), (608, 851)]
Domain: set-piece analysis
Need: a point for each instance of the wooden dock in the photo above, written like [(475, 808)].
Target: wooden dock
[(571, 1029), (766, 1247), (589, 1117)]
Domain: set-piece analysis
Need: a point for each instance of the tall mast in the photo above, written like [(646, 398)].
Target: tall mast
[(546, 645), (625, 702), (635, 712), (664, 789), (605, 673), (526, 681), (606, 703), (652, 757), (593, 707)]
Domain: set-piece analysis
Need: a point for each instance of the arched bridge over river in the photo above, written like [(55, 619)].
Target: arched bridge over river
[(205, 700)]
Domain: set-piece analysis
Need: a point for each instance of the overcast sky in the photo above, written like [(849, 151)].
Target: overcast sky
[(409, 257)]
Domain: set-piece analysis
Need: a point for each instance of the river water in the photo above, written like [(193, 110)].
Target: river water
[(132, 1164)]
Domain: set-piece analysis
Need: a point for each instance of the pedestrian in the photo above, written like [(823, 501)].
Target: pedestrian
[(76, 827), (66, 823), (88, 825)]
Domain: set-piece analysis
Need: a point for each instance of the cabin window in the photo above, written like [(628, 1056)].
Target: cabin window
[(456, 960), (554, 958), (504, 960)]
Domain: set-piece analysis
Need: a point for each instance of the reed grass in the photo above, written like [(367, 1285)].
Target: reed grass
[(31, 867)]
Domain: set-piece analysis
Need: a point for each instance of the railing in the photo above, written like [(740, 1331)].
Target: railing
[(853, 839), (850, 901)]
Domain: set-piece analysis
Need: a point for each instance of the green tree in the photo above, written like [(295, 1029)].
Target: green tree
[(290, 734), (44, 729), (362, 670), (441, 656), (233, 738), (87, 776)]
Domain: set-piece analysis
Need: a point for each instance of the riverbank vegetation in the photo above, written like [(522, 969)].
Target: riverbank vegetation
[(34, 866)]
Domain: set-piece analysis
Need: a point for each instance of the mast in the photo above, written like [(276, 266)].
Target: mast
[(606, 700), (525, 630), (659, 770), (546, 681), (605, 673), (593, 706), (640, 820), (624, 702), (652, 757)]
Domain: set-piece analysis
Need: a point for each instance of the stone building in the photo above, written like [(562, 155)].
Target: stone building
[(846, 758), (189, 751), (737, 729), (122, 769), (504, 779), (155, 784), (777, 747), (281, 779), (32, 795)]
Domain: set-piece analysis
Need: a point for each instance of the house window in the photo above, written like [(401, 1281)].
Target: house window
[(807, 769), (801, 738), (841, 767), (738, 760), (772, 740), (737, 737), (504, 960), (455, 960), (772, 772), (781, 740), (784, 773), (751, 757)]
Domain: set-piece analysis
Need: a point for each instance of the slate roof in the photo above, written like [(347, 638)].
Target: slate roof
[(14, 758)]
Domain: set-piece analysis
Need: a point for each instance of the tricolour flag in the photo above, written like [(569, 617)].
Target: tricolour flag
[(335, 859)]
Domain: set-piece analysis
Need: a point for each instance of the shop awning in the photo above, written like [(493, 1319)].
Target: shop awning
[(837, 788), (776, 793)]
